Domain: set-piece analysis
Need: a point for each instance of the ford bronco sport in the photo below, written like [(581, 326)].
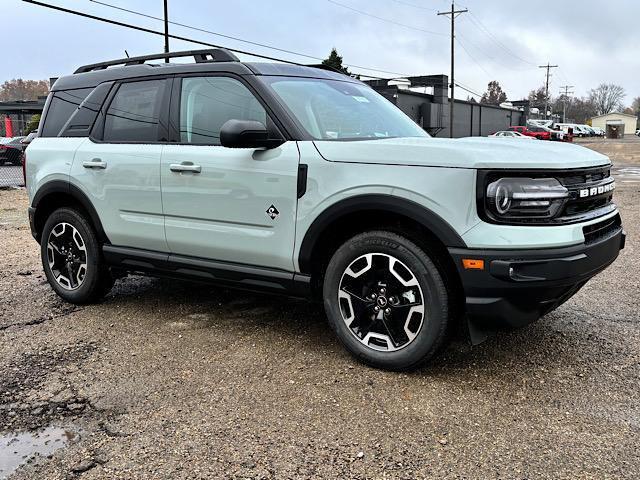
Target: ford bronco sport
[(303, 181)]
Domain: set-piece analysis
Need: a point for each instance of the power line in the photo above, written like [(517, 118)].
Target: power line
[(490, 57), (408, 4), (453, 14), (175, 37), (476, 21), (468, 90), (367, 14), (249, 42), (473, 58)]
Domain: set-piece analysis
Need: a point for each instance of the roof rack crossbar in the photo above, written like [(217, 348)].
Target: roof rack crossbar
[(200, 56)]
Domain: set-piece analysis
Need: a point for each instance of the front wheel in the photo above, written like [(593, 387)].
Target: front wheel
[(386, 300), (71, 258)]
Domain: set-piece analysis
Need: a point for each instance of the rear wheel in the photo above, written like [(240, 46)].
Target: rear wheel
[(71, 258), (386, 300)]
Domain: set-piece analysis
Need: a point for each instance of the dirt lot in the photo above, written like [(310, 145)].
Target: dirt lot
[(170, 380)]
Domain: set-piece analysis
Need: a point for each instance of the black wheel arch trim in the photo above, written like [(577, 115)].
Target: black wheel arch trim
[(408, 208), (67, 188)]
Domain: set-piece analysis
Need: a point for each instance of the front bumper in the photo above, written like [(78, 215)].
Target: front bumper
[(516, 287)]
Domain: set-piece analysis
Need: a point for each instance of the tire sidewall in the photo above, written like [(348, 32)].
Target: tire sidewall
[(434, 294), (86, 291)]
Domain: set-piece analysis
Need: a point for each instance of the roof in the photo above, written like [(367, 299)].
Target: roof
[(93, 78), (617, 114)]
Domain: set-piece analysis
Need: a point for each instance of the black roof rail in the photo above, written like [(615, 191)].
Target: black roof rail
[(328, 68), (200, 56)]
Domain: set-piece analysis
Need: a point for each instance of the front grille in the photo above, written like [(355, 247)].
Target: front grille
[(597, 231), (580, 208)]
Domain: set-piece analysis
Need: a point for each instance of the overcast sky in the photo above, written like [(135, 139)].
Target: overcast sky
[(592, 41)]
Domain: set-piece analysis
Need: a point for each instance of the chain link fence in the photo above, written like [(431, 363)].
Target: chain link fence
[(10, 176)]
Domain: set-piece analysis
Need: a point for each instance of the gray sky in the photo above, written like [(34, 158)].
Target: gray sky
[(593, 41)]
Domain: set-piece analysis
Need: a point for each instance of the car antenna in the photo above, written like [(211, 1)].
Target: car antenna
[(127, 53)]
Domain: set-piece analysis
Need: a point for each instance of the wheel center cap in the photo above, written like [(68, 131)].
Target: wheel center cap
[(381, 301)]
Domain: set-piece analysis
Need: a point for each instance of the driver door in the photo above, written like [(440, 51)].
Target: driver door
[(224, 204)]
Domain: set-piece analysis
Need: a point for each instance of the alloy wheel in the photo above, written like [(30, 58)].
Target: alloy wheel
[(67, 256), (381, 302)]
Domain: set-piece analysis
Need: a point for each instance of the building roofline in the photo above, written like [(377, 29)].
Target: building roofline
[(616, 113)]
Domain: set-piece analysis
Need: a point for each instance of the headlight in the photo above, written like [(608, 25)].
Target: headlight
[(521, 198)]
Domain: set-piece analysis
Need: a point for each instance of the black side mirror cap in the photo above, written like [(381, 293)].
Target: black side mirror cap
[(247, 134)]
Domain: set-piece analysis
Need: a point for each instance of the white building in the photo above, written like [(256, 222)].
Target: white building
[(616, 124)]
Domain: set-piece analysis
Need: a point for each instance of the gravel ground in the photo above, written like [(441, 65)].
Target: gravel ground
[(170, 380)]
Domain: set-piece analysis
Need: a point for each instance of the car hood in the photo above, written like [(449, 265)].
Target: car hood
[(472, 152)]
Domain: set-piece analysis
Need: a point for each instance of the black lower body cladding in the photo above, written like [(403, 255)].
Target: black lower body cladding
[(517, 287)]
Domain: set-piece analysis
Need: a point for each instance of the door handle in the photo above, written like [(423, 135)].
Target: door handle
[(185, 167), (94, 163)]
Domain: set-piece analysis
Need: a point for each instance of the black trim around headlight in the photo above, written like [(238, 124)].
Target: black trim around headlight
[(552, 197)]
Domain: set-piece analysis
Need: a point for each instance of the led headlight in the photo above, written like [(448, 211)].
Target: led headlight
[(525, 198)]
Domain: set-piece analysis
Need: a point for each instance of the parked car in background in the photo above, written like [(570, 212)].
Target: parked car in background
[(638, 133), (578, 131), (536, 132), (11, 151), (510, 134), (599, 131)]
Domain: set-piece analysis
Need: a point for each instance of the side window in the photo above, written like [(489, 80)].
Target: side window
[(134, 112), (206, 103), (63, 104)]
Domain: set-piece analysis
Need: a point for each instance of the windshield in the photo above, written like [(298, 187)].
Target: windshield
[(336, 110)]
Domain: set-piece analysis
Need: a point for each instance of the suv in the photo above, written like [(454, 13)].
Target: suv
[(303, 181)]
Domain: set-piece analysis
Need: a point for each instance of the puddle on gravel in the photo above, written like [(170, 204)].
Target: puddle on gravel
[(17, 449), (627, 174)]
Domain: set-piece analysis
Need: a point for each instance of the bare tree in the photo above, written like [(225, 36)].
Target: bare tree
[(19, 89), (607, 98), (635, 105)]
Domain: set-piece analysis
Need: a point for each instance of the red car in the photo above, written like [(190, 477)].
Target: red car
[(536, 132)]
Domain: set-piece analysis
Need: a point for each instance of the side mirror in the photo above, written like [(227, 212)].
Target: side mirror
[(247, 134)]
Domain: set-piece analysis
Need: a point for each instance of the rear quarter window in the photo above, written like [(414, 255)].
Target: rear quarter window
[(61, 106)]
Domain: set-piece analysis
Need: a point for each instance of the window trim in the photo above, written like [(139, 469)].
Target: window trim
[(274, 125), (97, 132), (47, 110)]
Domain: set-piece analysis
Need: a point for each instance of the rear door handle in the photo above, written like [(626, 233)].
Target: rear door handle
[(94, 163), (185, 167)]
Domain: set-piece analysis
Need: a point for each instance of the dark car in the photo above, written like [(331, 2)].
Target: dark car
[(11, 151)]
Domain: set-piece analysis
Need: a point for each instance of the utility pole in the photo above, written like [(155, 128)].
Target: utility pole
[(166, 29), (546, 96), (454, 14), (565, 94)]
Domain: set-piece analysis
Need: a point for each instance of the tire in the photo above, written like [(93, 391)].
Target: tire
[(68, 235), (401, 334)]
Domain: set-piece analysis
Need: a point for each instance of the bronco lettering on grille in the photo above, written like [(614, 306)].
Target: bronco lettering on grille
[(593, 191)]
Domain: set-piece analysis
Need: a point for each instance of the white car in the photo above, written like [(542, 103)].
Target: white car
[(638, 133), (510, 134)]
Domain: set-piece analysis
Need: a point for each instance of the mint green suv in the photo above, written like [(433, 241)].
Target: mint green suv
[(305, 182)]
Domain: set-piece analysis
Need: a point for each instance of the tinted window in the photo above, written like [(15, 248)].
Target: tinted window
[(62, 105), (206, 103), (134, 112)]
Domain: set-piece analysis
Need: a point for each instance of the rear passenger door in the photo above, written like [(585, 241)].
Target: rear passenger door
[(118, 167), (226, 204)]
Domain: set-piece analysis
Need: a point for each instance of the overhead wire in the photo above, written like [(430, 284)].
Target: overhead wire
[(238, 39)]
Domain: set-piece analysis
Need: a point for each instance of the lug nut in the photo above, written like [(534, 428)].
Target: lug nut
[(383, 291), (373, 295), (387, 311), (376, 308)]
